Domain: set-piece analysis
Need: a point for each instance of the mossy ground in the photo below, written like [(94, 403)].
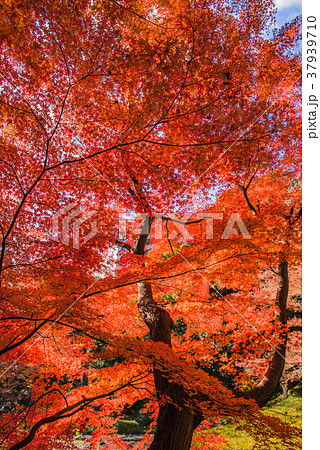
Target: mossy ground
[(288, 409)]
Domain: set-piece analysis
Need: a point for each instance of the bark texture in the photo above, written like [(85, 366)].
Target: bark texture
[(176, 421)]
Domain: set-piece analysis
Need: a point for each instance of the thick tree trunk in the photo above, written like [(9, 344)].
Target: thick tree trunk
[(176, 422), (174, 429)]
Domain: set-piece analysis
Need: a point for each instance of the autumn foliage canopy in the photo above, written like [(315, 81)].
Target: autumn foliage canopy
[(150, 219)]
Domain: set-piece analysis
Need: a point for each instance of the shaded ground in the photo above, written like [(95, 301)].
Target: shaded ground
[(130, 439), (288, 409)]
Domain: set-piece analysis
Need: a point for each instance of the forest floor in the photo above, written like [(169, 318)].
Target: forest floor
[(288, 409)]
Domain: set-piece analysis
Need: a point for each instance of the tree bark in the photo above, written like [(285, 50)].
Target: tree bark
[(174, 429), (176, 422)]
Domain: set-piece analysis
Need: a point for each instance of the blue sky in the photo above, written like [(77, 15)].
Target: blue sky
[(287, 10)]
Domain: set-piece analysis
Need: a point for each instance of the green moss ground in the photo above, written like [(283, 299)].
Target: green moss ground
[(288, 409)]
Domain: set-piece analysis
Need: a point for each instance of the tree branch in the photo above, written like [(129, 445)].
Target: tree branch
[(245, 195), (62, 414), (7, 348)]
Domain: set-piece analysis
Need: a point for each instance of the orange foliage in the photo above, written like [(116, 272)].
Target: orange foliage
[(177, 110)]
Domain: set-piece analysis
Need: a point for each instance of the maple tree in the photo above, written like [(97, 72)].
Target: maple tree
[(189, 115)]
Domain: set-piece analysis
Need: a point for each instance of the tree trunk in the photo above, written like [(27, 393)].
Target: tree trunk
[(174, 429), (263, 392), (176, 422)]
